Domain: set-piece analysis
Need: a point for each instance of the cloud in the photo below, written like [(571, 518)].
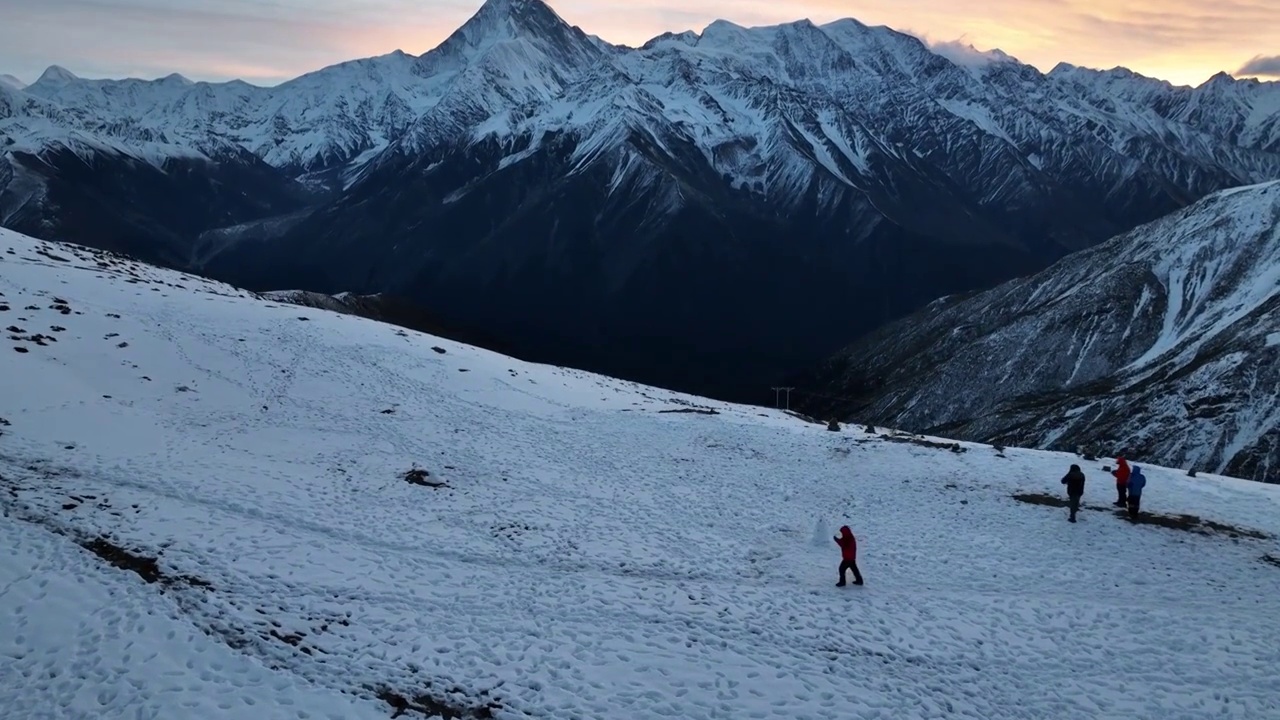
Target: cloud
[(965, 55), (1260, 65)]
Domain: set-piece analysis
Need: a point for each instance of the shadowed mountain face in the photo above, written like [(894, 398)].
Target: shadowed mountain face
[(711, 292), (1163, 344), (710, 212), (125, 204)]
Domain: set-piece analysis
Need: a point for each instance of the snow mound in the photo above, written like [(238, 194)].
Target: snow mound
[(207, 512)]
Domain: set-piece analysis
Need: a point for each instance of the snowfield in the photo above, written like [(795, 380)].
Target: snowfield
[(593, 551)]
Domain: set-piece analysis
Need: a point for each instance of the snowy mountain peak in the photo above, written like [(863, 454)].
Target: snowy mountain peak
[(848, 24), (1223, 85), (509, 19), (967, 56), (519, 8), (722, 28), (56, 75), (513, 52), (519, 48), (688, 37), (11, 82), (803, 24)]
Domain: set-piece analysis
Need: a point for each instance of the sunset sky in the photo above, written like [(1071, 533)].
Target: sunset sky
[(268, 41)]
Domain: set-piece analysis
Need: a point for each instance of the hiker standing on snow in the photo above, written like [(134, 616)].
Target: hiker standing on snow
[(1137, 481), (1074, 480), (848, 555), (1122, 480)]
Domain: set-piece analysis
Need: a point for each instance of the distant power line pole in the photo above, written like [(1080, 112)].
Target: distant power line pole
[(777, 400)]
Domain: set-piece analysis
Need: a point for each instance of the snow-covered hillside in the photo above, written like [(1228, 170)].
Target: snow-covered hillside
[(581, 547), (1160, 341)]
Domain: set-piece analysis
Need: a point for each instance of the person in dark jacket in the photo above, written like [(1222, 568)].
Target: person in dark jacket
[(848, 555), (1122, 480), (1137, 481), (1074, 480)]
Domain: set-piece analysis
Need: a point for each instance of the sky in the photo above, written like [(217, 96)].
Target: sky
[(268, 41)]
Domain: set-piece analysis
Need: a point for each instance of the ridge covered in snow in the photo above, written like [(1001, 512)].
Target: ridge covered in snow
[(672, 213), (206, 512), (1157, 341)]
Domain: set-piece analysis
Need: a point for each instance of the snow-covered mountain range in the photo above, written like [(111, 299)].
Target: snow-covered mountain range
[(1164, 343), (516, 68), (207, 511), (672, 212)]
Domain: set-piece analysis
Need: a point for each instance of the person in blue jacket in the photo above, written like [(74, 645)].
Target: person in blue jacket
[(1137, 481)]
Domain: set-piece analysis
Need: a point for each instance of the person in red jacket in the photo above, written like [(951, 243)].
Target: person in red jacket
[(848, 555), (1122, 480)]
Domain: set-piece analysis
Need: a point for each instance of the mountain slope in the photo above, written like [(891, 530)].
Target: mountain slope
[(672, 213), (389, 310), (1164, 342), (132, 189), (599, 549)]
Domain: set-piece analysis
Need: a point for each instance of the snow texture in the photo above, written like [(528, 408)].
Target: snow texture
[(597, 548)]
